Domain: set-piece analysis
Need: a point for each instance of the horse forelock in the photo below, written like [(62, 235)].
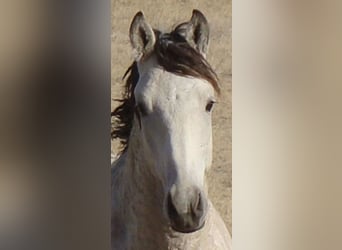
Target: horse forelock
[(175, 55)]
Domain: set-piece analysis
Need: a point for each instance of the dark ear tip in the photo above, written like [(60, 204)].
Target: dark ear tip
[(197, 14), (196, 11), (139, 14)]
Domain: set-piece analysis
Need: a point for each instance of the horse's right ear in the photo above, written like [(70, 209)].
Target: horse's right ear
[(141, 35)]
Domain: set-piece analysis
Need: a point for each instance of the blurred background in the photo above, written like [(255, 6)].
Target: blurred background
[(54, 124), (287, 95)]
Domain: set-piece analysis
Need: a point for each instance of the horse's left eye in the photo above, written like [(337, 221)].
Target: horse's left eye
[(209, 106)]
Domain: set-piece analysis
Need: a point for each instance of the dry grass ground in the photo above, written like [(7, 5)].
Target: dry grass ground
[(163, 15)]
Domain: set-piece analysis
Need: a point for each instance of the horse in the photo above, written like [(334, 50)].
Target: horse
[(159, 191)]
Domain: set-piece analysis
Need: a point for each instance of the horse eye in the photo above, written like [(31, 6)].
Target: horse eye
[(141, 109), (209, 106)]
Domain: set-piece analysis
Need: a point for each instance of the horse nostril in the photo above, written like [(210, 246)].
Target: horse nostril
[(171, 209), (197, 206)]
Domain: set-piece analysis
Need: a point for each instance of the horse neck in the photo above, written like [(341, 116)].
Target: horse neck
[(143, 198)]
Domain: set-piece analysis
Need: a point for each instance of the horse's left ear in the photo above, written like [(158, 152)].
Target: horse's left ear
[(196, 32)]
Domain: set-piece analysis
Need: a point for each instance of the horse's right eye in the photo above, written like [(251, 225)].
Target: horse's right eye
[(141, 109)]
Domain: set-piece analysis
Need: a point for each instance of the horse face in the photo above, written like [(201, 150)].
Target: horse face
[(173, 113), (174, 116)]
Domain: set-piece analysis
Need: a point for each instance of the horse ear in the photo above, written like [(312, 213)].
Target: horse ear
[(196, 32), (141, 35)]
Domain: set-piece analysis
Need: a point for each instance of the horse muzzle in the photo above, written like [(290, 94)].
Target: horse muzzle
[(187, 213)]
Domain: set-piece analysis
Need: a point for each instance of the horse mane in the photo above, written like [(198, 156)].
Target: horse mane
[(174, 54)]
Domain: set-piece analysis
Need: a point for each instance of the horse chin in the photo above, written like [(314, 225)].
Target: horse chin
[(187, 230)]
